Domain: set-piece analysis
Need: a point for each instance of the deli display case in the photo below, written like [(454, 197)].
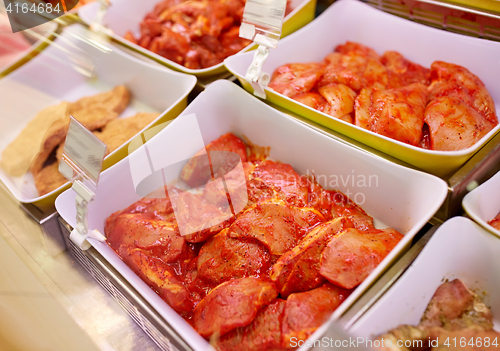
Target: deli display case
[(322, 229)]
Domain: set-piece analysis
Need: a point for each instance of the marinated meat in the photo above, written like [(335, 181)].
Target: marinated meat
[(396, 113), (223, 258), (460, 111), (298, 269), (307, 311), (296, 78), (231, 305), (277, 226), (352, 255)]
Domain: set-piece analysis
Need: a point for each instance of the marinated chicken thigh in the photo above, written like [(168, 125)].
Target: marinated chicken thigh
[(296, 78), (396, 113)]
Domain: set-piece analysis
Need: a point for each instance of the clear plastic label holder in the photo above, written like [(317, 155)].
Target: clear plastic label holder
[(262, 23), (81, 163)]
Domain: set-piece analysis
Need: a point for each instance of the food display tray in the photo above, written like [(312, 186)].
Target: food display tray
[(483, 203), (460, 249), (74, 67), (352, 20), (222, 108), (125, 15)]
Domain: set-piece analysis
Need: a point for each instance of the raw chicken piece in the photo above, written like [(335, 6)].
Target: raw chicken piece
[(277, 226), (296, 78), (313, 100), (160, 277), (396, 113), (232, 304), (340, 100), (298, 269), (264, 333), (454, 125), (351, 47), (495, 222), (458, 82), (197, 172), (355, 66), (283, 177), (223, 258), (352, 255), (403, 72), (142, 231), (454, 306), (460, 111), (307, 311)]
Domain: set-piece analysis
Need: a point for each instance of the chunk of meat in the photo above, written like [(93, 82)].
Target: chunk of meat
[(296, 78), (454, 125), (340, 100), (313, 100), (159, 238), (355, 66), (298, 269), (197, 172), (307, 311), (232, 304), (199, 220), (402, 71), (454, 306), (223, 258), (461, 111), (495, 222), (458, 82), (396, 113), (332, 203), (277, 226), (352, 255), (264, 333), (282, 176), (160, 277), (351, 47)]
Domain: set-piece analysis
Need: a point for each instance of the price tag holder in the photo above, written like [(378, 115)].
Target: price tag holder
[(262, 23), (81, 163)]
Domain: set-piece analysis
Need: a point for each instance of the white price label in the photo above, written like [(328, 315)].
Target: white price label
[(262, 21), (84, 150), (267, 12)]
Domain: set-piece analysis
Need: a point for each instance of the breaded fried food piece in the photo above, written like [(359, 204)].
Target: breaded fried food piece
[(18, 155), (93, 112), (114, 135), (48, 179), (117, 132)]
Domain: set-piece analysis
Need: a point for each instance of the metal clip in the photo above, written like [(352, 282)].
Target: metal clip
[(258, 79), (80, 234), (98, 24)]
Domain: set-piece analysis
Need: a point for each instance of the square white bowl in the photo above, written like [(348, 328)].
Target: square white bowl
[(483, 203), (459, 249), (52, 77), (126, 15), (398, 197), (352, 20)]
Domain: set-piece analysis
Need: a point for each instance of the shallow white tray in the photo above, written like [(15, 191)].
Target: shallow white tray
[(483, 203), (51, 77), (125, 15), (460, 249), (355, 21), (399, 197)]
